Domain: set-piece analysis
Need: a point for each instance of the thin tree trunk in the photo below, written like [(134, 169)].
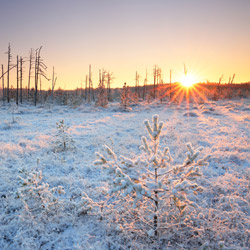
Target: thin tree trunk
[(30, 67), (40, 79), (36, 74), (52, 87), (86, 87), (136, 82), (170, 82), (109, 88), (17, 81), (89, 83), (8, 75), (21, 79), (3, 84), (154, 82)]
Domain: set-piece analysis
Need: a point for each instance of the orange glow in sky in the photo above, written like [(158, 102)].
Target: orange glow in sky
[(211, 37)]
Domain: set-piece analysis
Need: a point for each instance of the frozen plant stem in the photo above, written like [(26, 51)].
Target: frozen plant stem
[(155, 136)]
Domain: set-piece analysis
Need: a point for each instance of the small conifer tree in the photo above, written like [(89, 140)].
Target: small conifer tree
[(125, 97), (148, 193), (63, 139)]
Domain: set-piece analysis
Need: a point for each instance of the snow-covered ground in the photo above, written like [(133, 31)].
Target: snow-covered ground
[(27, 136)]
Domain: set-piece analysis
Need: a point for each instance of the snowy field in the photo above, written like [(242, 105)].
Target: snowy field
[(27, 145)]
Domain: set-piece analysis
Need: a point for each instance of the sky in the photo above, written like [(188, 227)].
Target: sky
[(212, 38)]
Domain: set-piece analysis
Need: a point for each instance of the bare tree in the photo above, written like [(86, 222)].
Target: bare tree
[(89, 95), (31, 58), (36, 72), (158, 77), (157, 80), (160, 86), (137, 77), (17, 80), (185, 70), (170, 82), (220, 79), (145, 85), (155, 73), (9, 68), (86, 87), (40, 69), (3, 84), (91, 89), (81, 91), (231, 82), (21, 79), (41, 93), (54, 78), (8, 72), (102, 99)]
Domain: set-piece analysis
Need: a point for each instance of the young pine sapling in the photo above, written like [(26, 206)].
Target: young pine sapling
[(63, 140), (153, 194)]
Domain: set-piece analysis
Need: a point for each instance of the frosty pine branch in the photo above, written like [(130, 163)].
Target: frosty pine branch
[(159, 192)]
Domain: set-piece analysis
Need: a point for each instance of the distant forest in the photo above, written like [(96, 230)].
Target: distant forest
[(22, 91)]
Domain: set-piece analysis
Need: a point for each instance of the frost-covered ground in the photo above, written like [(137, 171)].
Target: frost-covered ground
[(27, 144)]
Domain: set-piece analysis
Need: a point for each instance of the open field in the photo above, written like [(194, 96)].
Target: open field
[(27, 144)]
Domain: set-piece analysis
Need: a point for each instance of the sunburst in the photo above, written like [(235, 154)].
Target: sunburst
[(188, 80)]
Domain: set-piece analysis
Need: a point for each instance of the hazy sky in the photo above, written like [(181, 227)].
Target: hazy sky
[(211, 37)]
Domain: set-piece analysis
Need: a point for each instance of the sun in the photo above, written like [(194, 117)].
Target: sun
[(188, 80)]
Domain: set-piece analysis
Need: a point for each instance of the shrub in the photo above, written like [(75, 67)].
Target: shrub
[(40, 201), (43, 214)]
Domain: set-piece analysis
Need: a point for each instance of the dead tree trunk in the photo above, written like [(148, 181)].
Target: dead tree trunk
[(137, 84), (30, 68), (40, 67), (91, 89), (232, 79), (3, 84), (36, 76), (21, 80), (157, 77), (170, 83), (109, 78), (89, 95), (144, 86), (53, 85), (53, 75), (160, 89), (81, 91), (8, 73), (41, 95), (220, 79), (17, 81), (155, 81), (86, 87)]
